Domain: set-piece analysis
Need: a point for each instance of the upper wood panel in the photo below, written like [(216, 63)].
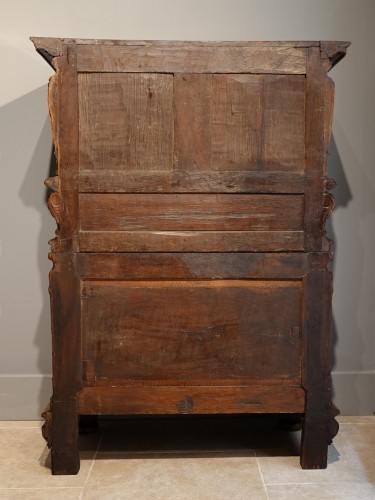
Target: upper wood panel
[(239, 122), (191, 59), (140, 122), (125, 121)]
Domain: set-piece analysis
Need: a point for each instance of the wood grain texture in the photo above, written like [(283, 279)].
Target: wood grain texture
[(125, 121), (239, 122), (316, 372), (191, 59), (191, 269), (191, 241), (191, 181), (63, 96), (146, 330), (319, 108), (331, 51), (193, 400), (191, 266), (66, 362), (191, 212)]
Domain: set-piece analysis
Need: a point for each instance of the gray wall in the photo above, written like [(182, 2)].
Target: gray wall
[(25, 147)]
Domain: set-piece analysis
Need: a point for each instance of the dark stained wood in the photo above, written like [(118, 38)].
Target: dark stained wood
[(191, 241), (316, 370), (191, 212), (64, 118), (66, 363), (64, 283), (190, 264), (193, 399), (319, 109), (125, 121), (189, 181), (236, 326)]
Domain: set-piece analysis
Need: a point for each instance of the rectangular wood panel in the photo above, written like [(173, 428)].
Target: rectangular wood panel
[(191, 241), (191, 212), (192, 181), (189, 266), (192, 58), (239, 122), (125, 121), (184, 400), (193, 330)]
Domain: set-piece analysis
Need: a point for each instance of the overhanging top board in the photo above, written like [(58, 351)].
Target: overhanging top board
[(184, 56)]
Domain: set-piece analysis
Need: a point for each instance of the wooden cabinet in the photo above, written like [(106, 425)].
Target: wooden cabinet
[(191, 264)]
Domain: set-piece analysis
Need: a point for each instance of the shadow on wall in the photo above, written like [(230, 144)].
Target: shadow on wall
[(41, 166), (342, 196)]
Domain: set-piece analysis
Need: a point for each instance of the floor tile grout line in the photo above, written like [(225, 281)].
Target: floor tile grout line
[(92, 464), (42, 488), (262, 478), (320, 483)]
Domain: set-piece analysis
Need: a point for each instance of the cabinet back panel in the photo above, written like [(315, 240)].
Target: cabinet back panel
[(191, 212), (183, 330), (148, 122)]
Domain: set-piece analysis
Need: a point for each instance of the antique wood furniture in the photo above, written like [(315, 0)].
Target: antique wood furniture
[(191, 264)]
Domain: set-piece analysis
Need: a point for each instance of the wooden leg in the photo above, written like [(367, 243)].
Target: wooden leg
[(319, 426), (315, 432), (64, 439)]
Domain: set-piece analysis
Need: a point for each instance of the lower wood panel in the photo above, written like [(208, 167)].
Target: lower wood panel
[(192, 331), (185, 266), (184, 400)]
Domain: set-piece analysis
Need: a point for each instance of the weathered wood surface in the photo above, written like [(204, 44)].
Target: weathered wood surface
[(138, 122), (191, 199), (239, 122), (239, 330), (125, 121), (191, 241), (191, 181), (193, 399), (316, 370), (190, 212), (319, 109), (331, 51), (191, 59), (192, 266)]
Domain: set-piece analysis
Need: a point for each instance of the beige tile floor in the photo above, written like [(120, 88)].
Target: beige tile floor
[(196, 458)]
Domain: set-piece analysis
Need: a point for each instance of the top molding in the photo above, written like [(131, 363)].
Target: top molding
[(280, 57)]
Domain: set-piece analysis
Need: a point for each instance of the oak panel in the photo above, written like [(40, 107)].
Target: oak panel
[(191, 212), (185, 400), (191, 181), (188, 266), (239, 122), (181, 330), (192, 58), (191, 241), (125, 121)]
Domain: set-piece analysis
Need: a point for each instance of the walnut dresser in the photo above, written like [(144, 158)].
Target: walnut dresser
[(190, 265)]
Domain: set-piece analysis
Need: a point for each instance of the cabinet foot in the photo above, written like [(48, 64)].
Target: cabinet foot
[(64, 438)]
